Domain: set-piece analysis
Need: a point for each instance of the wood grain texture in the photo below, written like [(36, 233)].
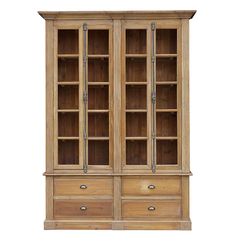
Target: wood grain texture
[(142, 208), (185, 97), (74, 186), (69, 209), (139, 186), (144, 15)]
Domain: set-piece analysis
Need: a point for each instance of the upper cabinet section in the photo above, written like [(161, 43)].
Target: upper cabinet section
[(117, 82)]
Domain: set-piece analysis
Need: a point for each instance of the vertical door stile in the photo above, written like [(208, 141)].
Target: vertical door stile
[(85, 97), (153, 97)]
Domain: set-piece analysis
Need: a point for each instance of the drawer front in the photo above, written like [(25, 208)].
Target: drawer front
[(82, 208), (152, 208), (132, 186), (83, 186)]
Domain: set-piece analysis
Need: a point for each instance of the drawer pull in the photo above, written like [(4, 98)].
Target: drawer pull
[(151, 186), (83, 186), (83, 208), (151, 208)]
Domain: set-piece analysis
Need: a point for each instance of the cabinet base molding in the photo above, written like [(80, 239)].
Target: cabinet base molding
[(118, 225)]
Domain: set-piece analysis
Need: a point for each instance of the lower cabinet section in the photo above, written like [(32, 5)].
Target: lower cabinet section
[(123, 202), (83, 208), (151, 209)]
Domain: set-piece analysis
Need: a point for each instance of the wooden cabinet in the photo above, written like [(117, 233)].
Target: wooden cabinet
[(117, 141)]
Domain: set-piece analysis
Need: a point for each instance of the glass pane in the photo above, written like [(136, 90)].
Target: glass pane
[(68, 41), (68, 97), (68, 124), (98, 97), (166, 41), (136, 41), (98, 41), (68, 152), (166, 97), (166, 124), (136, 70), (68, 70), (166, 152), (136, 97), (98, 125), (98, 70), (136, 124), (136, 152), (98, 152), (166, 69)]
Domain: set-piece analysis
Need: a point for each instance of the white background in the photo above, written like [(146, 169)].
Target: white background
[(22, 119)]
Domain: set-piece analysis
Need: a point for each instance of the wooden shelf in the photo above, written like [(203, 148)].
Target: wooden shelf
[(68, 55), (98, 56), (67, 110), (167, 83), (68, 138), (98, 111), (166, 55), (68, 83), (167, 138), (98, 138), (166, 110), (135, 110), (136, 55), (136, 138), (98, 83), (136, 83)]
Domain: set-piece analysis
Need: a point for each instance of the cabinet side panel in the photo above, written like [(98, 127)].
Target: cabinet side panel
[(49, 198), (49, 117), (185, 197), (49, 95), (185, 96)]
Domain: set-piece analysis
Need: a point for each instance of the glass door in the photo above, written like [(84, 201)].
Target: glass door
[(99, 107), (167, 88), (135, 101), (83, 97), (66, 98)]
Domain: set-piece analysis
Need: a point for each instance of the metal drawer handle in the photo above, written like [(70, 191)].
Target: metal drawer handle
[(83, 208), (151, 208), (151, 186), (83, 186)]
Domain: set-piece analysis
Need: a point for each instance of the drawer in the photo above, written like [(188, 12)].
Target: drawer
[(151, 208), (83, 186), (82, 208), (148, 186)]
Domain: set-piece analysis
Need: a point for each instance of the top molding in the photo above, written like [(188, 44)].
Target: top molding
[(110, 15)]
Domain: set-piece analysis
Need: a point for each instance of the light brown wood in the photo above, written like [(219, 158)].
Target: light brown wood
[(69, 209), (49, 95), (118, 14), (120, 190), (49, 117), (148, 209), (185, 96), (127, 224), (83, 186), (151, 186)]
